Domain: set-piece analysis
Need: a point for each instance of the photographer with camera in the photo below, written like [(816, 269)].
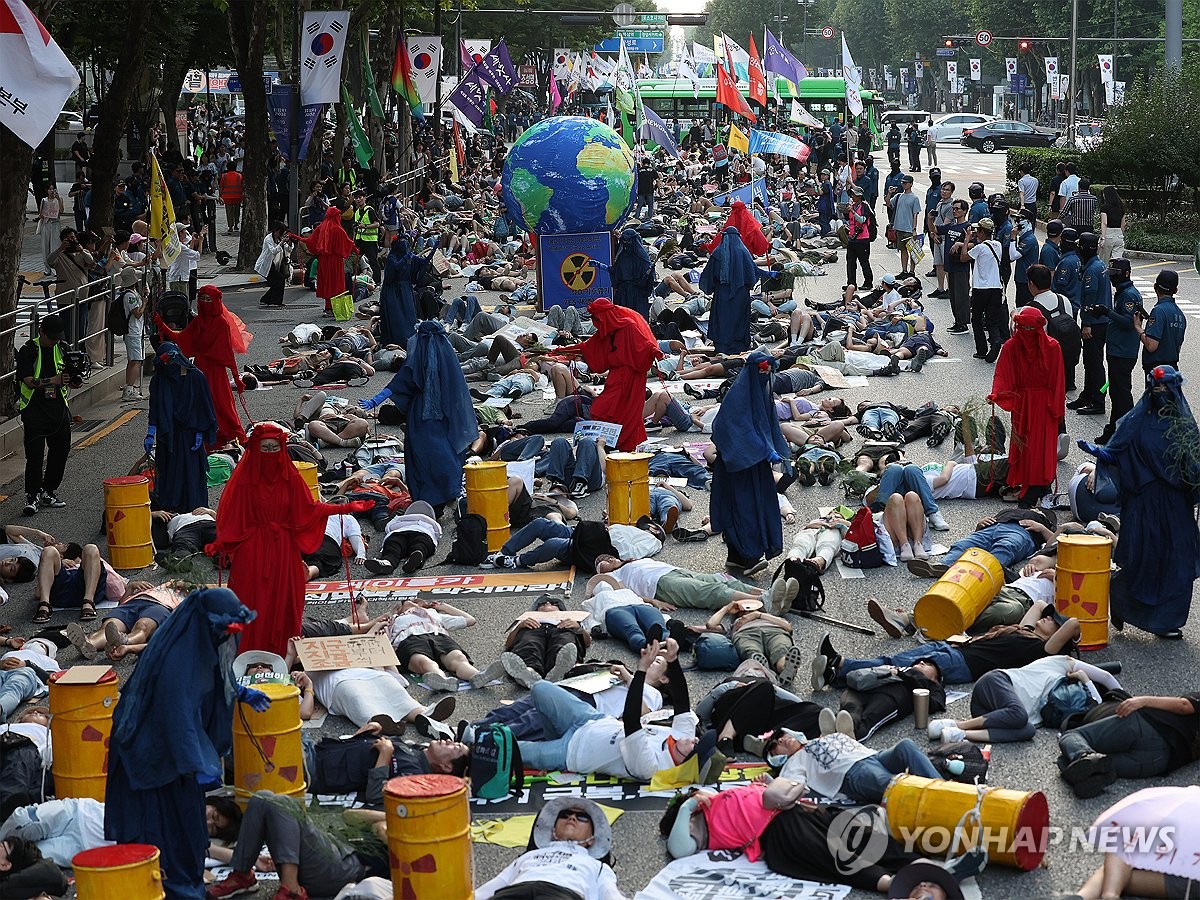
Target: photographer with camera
[(72, 266), (43, 374)]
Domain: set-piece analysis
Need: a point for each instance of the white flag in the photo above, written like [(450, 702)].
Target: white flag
[(685, 69), (703, 54), (1110, 89), (36, 78), (425, 52), (1118, 92), (1106, 68), (1010, 66), (802, 116), (976, 70), (738, 57), (1051, 67), (323, 42), (853, 78)]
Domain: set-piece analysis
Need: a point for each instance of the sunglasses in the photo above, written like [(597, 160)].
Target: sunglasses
[(577, 815)]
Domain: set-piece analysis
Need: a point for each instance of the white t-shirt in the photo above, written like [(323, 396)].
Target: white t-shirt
[(601, 746), (646, 751), (560, 863), (24, 549), (632, 542), (422, 621), (598, 606), (1028, 186), (1036, 589), (39, 734), (415, 522), (986, 273), (1069, 186), (962, 481), (641, 576), (611, 701), (891, 298), (347, 527), (368, 693), (1032, 683), (822, 764), (182, 520)]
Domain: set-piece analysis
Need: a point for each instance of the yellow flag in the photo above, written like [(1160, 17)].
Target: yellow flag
[(454, 164), (737, 140), (162, 214)]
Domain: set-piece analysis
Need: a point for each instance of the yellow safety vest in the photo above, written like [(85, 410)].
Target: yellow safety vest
[(27, 391), (365, 229)]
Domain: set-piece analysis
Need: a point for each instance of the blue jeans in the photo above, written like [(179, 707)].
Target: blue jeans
[(763, 309), (520, 381), (523, 448), (1008, 543), (461, 310), (16, 686), (379, 515), (555, 538), (949, 660), (565, 464), (562, 715), (874, 417), (630, 624), (900, 479), (867, 779), (676, 465), (662, 500)]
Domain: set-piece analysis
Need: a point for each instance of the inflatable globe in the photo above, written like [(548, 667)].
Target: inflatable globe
[(569, 175)]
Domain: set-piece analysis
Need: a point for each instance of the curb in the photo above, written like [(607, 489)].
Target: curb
[(1164, 257)]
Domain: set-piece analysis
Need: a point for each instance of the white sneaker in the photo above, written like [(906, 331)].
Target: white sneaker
[(845, 723), (919, 552), (936, 727), (952, 733), (518, 671), (906, 553), (1064, 445), (827, 720), (936, 522)]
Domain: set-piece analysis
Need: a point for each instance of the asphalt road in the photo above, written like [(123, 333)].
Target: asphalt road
[(1151, 666)]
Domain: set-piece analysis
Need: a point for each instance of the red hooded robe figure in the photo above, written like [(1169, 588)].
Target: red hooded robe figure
[(624, 347), (330, 244), (266, 520), (1029, 383), (212, 339), (748, 228)]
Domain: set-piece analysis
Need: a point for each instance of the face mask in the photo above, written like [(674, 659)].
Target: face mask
[(777, 760)]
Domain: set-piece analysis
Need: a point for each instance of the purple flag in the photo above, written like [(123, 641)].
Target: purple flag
[(497, 69), (279, 111), (778, 61), (310, 113), (470, 97)]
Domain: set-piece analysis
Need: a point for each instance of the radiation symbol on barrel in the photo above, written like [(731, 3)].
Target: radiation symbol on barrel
[(1091, 607), (577, 271)]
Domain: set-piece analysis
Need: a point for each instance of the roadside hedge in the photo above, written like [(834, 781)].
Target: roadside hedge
[(1042, 161)]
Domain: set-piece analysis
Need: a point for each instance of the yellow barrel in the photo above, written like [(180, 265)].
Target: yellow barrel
[(628, 477), (429, 837), (82, 716), (1081, 585), (120, 872), (267, 755), (308, 471), (954, 601), (127, 521), (487, 495), (1015, 824)]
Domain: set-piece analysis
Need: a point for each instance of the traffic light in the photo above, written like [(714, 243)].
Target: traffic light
[(1024, 46), (948, 43)]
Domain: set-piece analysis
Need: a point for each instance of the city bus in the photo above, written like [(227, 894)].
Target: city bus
[(825, 98)]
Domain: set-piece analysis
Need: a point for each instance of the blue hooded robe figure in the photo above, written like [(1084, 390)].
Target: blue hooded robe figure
[(1155, 457), (397, 304), (728, 276), (182, 421), (171, 728), (440, 422), (632, 274), (745, 504)]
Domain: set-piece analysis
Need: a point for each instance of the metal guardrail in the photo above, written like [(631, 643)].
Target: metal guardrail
[(410, 181)]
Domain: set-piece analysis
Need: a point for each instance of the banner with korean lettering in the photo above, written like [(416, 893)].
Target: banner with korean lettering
[(36, 78)]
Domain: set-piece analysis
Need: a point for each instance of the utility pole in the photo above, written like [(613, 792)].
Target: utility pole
[(297, 124), (1174, 34), (437, 95), (1071, 78)]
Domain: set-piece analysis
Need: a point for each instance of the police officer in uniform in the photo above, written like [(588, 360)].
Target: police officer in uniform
[(1094, 306), (44, 413), (366, 232), (1121, 344), (1161, 335)]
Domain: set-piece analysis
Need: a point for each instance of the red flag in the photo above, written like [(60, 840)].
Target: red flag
[(758, 77), (729, 95)]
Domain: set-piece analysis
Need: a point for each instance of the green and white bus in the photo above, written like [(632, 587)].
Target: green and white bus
[(825, 98)]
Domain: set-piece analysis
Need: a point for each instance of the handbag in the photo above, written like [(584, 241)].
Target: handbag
[(343, 307)]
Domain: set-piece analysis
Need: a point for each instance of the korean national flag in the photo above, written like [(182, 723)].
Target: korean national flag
[(322, 45)]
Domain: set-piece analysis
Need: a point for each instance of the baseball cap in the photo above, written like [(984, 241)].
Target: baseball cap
[(935, 171), (1167, 281), (52, 325), (1054, 227), (986, 224), (907, 179), (136, 238), (889, 279), (1119, 266)]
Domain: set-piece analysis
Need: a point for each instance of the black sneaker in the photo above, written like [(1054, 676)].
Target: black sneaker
[(415, 560), (957, 329), (379, 566), (49, 500), (31, 505), (919, 360)]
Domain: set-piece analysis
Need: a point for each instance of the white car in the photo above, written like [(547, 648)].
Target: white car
[(949, 129)]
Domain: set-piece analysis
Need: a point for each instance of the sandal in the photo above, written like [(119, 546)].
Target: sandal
[(43, 613), (87, 611)]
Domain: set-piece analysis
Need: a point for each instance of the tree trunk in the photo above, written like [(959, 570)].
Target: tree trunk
[(174, 71), (248, 36), (15, 159), (114, 112)]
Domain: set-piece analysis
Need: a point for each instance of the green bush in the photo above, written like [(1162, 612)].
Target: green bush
[(1180, 236), (1042, 161)]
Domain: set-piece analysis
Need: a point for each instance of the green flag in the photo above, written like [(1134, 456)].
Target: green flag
[(358, 137), (367, 77), (488, 125)]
